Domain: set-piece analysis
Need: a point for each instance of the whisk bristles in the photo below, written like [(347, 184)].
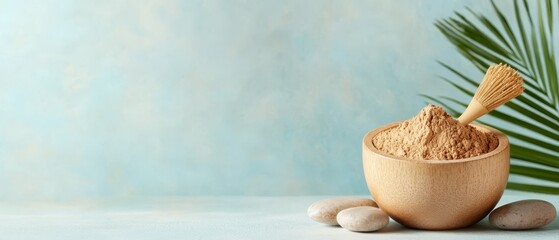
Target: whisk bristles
[(500, 84)]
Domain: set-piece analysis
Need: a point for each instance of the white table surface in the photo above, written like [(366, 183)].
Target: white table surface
[(217, 218)]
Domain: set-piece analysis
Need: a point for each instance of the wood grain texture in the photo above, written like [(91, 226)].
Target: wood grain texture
[(436, 194)]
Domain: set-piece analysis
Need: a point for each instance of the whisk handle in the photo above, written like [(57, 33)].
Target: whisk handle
[(472, 112)]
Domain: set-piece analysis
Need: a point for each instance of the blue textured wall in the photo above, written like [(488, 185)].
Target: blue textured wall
[(107, 98)]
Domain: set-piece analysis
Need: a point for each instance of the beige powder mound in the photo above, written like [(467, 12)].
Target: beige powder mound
[(434, 134)]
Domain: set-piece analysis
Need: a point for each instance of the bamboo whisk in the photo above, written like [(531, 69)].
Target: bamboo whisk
[(500, 84)]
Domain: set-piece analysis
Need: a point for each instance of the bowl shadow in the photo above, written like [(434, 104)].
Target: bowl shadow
[(480, 227)]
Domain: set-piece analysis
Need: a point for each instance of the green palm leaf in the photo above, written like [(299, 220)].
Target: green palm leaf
[(525, 41)]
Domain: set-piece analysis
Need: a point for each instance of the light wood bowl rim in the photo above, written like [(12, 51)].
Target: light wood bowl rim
[(503, 143)]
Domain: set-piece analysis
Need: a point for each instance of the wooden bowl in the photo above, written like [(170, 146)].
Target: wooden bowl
[(436, 194)]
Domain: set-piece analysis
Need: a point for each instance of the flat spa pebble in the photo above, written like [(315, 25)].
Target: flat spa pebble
[(325, 211), (523, 215), (362, 219)]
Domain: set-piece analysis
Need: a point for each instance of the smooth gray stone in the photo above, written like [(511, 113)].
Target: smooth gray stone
[(325, 211), (523, 215)]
